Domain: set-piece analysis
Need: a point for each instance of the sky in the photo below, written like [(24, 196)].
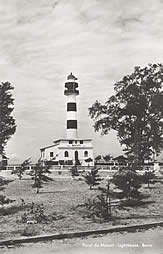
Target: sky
[(42, 41)]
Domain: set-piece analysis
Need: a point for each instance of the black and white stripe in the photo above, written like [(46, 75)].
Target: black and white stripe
[(72, 124), (71, 106), (71, 92)]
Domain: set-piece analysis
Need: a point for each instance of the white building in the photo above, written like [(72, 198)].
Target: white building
[(71, 150)]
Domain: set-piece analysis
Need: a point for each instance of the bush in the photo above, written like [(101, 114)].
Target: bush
[(3, 183), (92, 178), (100, 206), (97, 208), (149, 177), (9, 210), (40, 174), (30, 230), (129, 182), (5, 200), (74, 171), (19, 171), (34, 213)]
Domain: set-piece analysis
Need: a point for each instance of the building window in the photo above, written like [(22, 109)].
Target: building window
[(70, 142), (76, 141), (51, 154), (81, 142), (66, 154), (85, 153)]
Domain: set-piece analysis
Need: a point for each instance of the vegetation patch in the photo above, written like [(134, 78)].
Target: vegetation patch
[(67, 210)]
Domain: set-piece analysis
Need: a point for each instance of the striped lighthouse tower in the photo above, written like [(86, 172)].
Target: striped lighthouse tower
[(71, 92)]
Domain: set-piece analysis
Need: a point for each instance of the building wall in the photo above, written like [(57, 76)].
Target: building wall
[(66, 152), (83, 154), (46, 154)]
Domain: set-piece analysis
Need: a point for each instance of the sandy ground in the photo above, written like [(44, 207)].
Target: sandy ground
[(147, 242), (61, 197)]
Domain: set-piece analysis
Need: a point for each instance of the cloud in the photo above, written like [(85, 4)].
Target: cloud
[(43, 41)]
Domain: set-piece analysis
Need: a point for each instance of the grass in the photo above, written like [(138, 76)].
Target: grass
[(62, 200)]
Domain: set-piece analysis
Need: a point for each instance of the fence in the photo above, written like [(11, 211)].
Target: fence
[(101, 167), (12, 167)]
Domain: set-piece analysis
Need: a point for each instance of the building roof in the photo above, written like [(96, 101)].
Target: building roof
[(73, 139), (64, 139), (4, 157), (43, 148), (120, 158)]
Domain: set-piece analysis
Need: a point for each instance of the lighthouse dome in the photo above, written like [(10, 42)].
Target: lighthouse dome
[(71, 84), (71, 76)]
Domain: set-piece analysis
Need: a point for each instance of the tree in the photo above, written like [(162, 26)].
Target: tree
[(7, 127), (107, 157), (98, 158), (19, 171), (149, 177), (92, 178), (121, 160), (74, 170), (88, 160), (129, 182), (135, 111), (3, 199), (39, 175), (100, 206), (7, 122), (107, 195)]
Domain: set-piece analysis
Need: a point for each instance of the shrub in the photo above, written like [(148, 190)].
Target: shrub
[(29, 230), (34, 213), (149, 177), (92, 178), (5, 200), (40, 174), (97, 208), (3, 183), (19, 171), (129, 182), (100, 206), (74, 171)]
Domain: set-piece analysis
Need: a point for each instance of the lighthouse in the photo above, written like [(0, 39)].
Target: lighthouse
[(71, 92), (72, 150)]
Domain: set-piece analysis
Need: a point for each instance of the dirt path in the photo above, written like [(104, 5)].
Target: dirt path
[(147, 242)]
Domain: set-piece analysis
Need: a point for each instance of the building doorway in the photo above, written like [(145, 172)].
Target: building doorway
[(77, 162), (76, 156)]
